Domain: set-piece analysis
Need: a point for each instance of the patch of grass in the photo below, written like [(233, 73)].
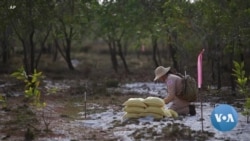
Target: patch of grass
[(94, 111), (70, 109), (21, 121), (22, 116), (112, 83)]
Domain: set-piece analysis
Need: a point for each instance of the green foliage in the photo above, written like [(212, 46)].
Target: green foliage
[(241, 81), (32, 85), (247, 107)]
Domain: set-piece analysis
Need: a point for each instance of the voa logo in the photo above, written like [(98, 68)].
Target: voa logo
[(224, 117)]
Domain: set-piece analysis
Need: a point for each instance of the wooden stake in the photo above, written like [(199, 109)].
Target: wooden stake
[(201, 100), (85, 104)]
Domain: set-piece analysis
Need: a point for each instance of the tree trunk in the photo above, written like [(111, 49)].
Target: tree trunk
[(39, 54), (218, 65), (173, 53), (56, 49), (68, 35), (155, 47), (68, 56), (218, 75), (122, 56), (231, 59), (67, 52), (242, 59), (112, 51), (4, 51), (25, 57), (212, 70), (42, 48), (173, 49), (6, 44), (32, 52)]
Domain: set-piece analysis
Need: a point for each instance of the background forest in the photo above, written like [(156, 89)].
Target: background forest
[(169, 33)]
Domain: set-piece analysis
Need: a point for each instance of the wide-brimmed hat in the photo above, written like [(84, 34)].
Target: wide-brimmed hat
[(160, 71)]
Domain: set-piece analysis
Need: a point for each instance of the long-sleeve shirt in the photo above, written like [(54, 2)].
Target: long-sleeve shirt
[(174, 87)]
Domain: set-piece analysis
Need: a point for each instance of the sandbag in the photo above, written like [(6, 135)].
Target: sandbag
[(154, 101), (156, 110), (131, 115), (167, 113), (133, 109), (154, 115), (135, 102), (174, 114)]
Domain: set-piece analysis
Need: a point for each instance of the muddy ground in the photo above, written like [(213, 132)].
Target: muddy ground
[(20, 121)]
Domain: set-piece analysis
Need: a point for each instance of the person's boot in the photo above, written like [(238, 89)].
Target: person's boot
[(192, 111)]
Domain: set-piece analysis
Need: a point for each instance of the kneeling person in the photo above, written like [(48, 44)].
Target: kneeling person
[(174, 87)]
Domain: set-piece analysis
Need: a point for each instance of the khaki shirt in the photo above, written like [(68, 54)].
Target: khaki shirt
[(174, 86)]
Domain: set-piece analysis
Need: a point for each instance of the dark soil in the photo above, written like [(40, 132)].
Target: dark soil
[(21, 121)]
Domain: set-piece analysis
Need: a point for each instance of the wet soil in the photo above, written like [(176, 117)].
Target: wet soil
[(19, 121)]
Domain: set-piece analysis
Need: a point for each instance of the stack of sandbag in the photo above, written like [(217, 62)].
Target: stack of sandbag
[(172, 113), (155, 108), (133, 108), (151, 106)]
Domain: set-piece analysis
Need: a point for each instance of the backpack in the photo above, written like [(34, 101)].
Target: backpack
[(189, 90)]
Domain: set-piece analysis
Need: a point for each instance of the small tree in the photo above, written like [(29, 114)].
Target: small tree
[(241, 81), (32, 85), (32, 92)]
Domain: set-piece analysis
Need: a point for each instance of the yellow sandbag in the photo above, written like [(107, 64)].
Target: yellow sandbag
[(133, 109), (135, 102), (131, 115), (174, 114), (154, 101), (154, 115), (167, 113), (156, 110)]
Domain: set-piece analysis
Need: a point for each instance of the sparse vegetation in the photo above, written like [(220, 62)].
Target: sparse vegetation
[(32, 85), (112, 83), (2, 101), (242, 80)]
